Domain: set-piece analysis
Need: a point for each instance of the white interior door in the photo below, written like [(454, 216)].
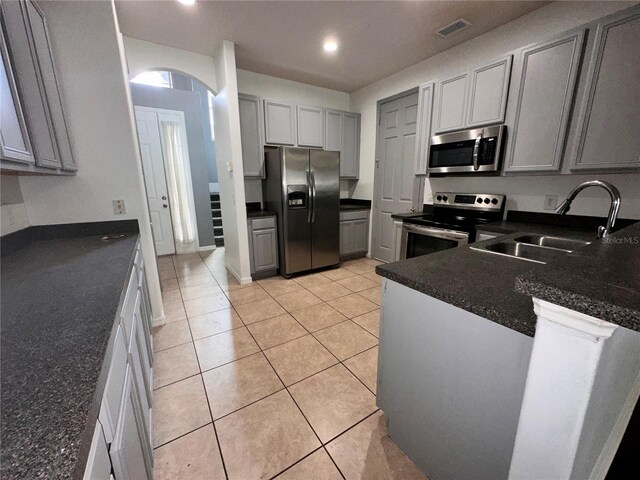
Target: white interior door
[(395, 186), (155, 180)]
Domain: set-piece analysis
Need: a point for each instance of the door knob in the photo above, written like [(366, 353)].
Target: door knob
[(164, 197), (164, 205)]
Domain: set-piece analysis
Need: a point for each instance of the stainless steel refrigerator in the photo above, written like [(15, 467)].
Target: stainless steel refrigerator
[(303, 188)]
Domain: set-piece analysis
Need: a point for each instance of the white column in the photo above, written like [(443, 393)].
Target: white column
[(566, 352)]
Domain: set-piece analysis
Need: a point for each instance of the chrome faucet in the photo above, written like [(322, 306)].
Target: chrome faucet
[(616, 200)]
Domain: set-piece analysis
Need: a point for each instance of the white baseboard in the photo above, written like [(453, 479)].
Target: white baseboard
[(207, 248), (159, 321), (238, 277)]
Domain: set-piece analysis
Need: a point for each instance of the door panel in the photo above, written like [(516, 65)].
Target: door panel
[(265, 250), (155, 181), (251, 136), (280, 124), (489, 87), (359, 234), (394, 185), (345, 237), (451, 100), (297, 231), (310, 127), (325, 234), (350, 146)]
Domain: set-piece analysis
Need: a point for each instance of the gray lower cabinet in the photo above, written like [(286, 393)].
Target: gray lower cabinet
[(543, 90), (354, 233), (342, 134), (310, 126), (125, 419), (609, 109), (280, 122), (252, 135), (33, 122), (263, 246), (423, 129)]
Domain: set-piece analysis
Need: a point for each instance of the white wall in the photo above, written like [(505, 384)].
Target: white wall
[(525, 193), (13, 213), (229, 152), (143, 56), (98, 112)]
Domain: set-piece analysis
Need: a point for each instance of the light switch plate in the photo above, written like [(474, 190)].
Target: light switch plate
[(550, 202), (119, 207)]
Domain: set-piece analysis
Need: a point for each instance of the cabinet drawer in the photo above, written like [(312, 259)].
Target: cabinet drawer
[(354, 215), (260, 223), (129, 304), (113, 389)]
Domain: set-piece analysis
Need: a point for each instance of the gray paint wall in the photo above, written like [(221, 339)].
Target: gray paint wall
[(451, 383), (209, 145), (10, 192), (189, 103)]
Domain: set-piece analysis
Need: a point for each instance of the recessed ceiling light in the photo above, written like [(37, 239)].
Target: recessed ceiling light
[(330, 46), (187, 2)]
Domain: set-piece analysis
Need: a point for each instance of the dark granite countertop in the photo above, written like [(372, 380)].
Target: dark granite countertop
[(354, 204), (260, 213), (59, 302), (500, 288), (507, 227), (402, 216)]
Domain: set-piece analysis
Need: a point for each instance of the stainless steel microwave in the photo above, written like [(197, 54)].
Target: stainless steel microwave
[(475, 150)]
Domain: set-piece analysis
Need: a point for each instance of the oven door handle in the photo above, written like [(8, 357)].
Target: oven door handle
[(476, 148), (437, 232)]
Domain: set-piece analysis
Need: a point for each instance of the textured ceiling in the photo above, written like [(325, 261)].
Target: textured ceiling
[(284, 39)]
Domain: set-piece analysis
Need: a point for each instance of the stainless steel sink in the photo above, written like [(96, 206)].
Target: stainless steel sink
[(521, 251), (559, 243)]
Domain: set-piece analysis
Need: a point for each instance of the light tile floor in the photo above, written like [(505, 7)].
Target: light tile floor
[(275, 379)]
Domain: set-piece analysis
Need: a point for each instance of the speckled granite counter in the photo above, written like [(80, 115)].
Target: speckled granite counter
[(600, 279), (260, 213), (59, 302), (347, 204)]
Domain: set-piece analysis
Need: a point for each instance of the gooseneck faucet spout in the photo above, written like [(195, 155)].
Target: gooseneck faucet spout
[(616, 200)]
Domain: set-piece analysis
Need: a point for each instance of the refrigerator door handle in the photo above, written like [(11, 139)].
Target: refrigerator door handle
[(313, 191), (309, 196)]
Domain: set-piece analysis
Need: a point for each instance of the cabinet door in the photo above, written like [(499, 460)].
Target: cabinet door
[(98, 463), (44, 56), (544, 87), (610, 113), (350, 145), (110, 407), (425, 107), (359, 235), (310, 126), (14, 136), (397, 240), (489, 87), (451, 101), (29, 83), (280, 124), (345, 238), (265, 249), (333, 131), (130, 448), (142, 373), (251, 134)]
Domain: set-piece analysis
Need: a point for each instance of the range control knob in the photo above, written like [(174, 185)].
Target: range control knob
[(486, 200), (439, 197), (479, 200), (445, 198), (494, 201)]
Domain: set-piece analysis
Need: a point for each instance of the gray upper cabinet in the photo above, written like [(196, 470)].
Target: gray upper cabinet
[(609, 111), (451, 103), (44, 57), (252, 135), (425, 107), (310, 126), (488, 90), (14, 136), (342, 134), (541, 97), (280, 122), (30, 85), (474, 98)]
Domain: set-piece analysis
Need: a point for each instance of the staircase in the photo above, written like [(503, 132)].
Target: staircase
[(216, 217)]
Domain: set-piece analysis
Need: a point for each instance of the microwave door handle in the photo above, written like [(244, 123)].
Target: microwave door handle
[(476, 148)]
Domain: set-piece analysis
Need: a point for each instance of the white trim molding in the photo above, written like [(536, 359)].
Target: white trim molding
[(567, 351)]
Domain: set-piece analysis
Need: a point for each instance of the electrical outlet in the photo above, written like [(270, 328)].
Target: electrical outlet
[(550, 202), (119, 207)]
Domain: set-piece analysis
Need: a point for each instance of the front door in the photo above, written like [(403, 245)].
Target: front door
[(155, 180), (394, 182)]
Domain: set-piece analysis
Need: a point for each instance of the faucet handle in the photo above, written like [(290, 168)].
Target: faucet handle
[(602, 232)]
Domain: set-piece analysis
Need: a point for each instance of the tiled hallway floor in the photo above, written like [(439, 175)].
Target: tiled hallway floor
[(272, 379)]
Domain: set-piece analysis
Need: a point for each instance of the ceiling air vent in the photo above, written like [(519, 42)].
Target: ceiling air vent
[(454, 27)]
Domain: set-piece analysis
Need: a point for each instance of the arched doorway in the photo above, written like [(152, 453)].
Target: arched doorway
[(174, 117)]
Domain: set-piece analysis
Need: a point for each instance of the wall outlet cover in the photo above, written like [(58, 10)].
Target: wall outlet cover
[(119, 207), (550, 202)]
